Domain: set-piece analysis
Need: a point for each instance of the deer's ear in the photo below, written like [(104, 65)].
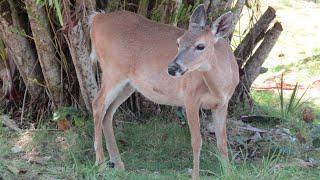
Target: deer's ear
[(198, 17), (221, 26)]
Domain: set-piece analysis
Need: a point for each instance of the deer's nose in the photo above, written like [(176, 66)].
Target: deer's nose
[(173, 68)]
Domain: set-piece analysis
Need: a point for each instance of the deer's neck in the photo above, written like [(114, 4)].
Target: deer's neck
[(214, 77)]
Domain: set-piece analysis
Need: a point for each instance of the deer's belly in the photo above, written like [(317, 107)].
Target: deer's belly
[(160, 94)]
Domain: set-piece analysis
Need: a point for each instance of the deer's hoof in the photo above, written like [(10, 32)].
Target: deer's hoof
[(111, 164), (116, 165)]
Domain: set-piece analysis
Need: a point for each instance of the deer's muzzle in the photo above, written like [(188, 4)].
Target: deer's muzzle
[(174, 69)]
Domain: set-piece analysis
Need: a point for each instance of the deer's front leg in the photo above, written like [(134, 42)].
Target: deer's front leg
[(220, 117), (192, 110)]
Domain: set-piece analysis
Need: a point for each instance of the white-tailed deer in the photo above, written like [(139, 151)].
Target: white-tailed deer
[(194, 68)]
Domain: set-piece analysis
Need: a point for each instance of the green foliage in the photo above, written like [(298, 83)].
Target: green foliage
[(143, 4), (315, 135), (113, 5), (183, 13), (21, 32), (69, 113), (56, 4)]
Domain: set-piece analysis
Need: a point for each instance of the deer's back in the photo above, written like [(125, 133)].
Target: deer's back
[(131, 40)]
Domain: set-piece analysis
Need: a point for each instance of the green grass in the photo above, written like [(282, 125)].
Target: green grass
[(304, 69), (161, 145), (158, 149), (268, 103)]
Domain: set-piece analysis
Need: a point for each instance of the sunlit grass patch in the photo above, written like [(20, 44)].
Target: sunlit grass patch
[(304, 69)]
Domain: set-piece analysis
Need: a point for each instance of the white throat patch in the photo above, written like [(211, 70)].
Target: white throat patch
[(204, 67)]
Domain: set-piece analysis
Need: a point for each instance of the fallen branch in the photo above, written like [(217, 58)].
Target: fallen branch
[(254, 129), (254, 118)]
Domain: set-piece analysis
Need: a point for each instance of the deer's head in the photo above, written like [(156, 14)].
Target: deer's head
[(196, 45)]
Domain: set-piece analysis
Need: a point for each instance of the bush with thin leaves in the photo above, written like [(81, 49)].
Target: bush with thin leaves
[(294, 103)]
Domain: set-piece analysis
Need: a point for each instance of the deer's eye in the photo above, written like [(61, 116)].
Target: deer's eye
[(200, 47)]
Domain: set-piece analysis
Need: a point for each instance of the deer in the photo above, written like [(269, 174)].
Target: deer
[(193, 68)]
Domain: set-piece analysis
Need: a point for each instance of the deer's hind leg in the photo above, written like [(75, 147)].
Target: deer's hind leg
[(110, 88), (115, 158)]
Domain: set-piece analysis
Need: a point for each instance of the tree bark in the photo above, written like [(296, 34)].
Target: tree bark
[(237, 12), (5, 77), (247, 45), (217, 7), (24, 57), (46, 51), (90, 5), (253, 66), (6, 71), (81, 60)]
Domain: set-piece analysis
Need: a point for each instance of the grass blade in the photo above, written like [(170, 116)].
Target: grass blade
[(292, 100)]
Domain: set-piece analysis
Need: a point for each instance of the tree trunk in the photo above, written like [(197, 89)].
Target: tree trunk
[(77, 38), (90, 5), (218, 7), (24, 57), (46, 51), (80, 56), (252, 69), (255, 34), (253, 66), (5, 77)]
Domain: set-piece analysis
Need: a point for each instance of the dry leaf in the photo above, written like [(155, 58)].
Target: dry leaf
[(64, 124)]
